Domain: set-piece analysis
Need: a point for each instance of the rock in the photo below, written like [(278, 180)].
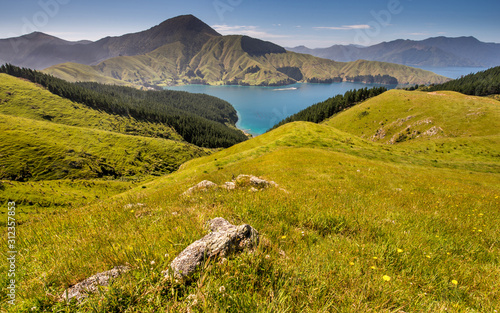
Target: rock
[(254, 181), (229, 185), (91, 284), (224, 240), (203, 185), (260, 183)]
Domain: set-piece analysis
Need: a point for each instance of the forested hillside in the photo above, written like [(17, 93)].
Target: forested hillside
[(483, 83), (320, 111), (199, 119)]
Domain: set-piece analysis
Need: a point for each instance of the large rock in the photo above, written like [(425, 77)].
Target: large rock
[(224, 240), (91, 284), (203, 185)]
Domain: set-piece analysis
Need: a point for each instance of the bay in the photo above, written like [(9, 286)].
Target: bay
[(453, 72), (260, 108)]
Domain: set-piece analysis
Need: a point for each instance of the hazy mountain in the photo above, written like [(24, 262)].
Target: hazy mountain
[(186, 50), (434, 52), (39, 51), (36, 50), (238, 60)]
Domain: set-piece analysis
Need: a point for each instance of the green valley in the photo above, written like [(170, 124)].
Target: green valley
[(357, 224), (94, 149)]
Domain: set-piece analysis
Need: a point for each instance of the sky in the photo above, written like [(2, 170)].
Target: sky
[(289, 23)]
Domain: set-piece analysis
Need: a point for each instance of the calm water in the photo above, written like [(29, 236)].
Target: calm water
[(453, 72), (259, 108)]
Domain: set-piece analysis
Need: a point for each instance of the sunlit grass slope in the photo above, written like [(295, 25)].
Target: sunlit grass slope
[(22, 98), (37, 150), (398, 116), (360, 227), (75, 72)]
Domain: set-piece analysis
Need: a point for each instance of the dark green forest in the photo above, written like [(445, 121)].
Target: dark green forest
[(377, 79), (200, 119), (321, 111), (483, 83)]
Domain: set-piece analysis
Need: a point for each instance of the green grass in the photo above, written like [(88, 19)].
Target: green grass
[(354, 212), (22, 98), (37, 150), (54, 195), (75, 72), (407, 115)]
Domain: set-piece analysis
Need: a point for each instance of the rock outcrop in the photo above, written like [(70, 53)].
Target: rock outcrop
[(223, 240), (253, 182), (91, 284), (203, 185)]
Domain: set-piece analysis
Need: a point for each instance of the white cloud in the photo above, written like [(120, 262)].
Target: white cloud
[(252, 31), (344, 27)]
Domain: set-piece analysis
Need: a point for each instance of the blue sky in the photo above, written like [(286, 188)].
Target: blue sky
[(289, 23)]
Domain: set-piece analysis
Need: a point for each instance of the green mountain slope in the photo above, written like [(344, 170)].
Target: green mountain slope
[(235, 60), (200, 119), (353, 225), (398, 116), (25, 99), (359, 226), (483, 83), (38, 150), (75, 72)]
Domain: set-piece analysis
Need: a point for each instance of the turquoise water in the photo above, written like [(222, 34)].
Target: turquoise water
[(259, 108)]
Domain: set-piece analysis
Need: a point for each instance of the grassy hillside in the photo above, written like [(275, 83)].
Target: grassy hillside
[(75, 72), (398, 116), (37, 150), (361, 226), (200, 119), (235, 59), (22, 98)]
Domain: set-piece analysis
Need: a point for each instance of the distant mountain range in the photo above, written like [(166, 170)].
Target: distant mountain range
[(38, 50), (431, 52), (185, 50)]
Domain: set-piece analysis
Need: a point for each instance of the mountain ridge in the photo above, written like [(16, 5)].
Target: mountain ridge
[(45, 52), (435, 51), (185, 50), (235, 60)]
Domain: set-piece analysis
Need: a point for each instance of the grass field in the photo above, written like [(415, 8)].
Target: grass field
[(55, 153), (360, 226), (22, 98)]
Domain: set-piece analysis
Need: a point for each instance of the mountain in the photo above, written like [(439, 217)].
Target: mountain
[(39, 51), (185, 50), (236, 59), (431, 52)]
